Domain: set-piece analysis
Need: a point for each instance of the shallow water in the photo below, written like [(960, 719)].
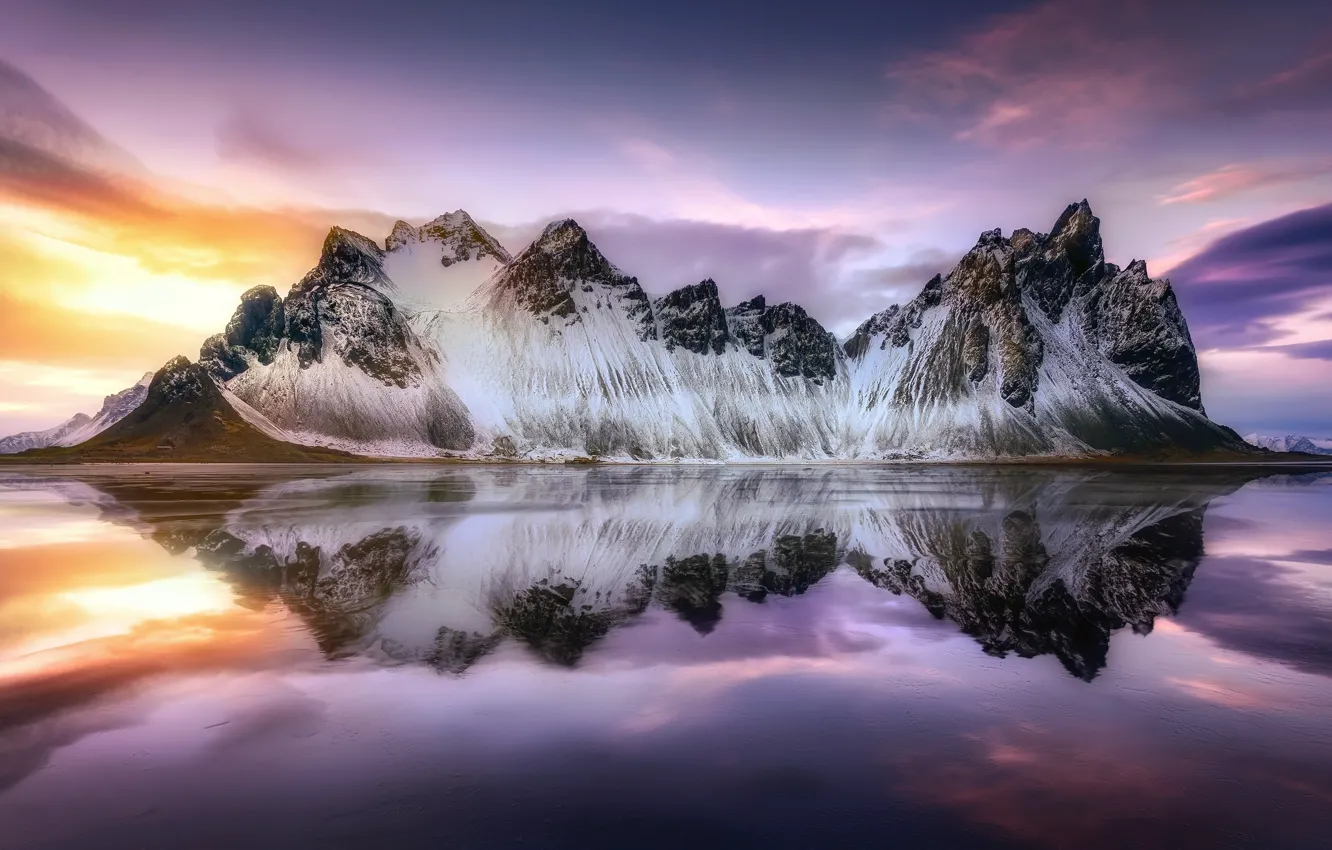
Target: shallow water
[(658, 657)]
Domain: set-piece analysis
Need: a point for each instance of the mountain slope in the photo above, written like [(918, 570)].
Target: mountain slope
[(81, 427), (186, 416)]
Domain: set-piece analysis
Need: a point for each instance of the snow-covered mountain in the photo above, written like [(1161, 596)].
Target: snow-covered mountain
[(1032, 346), (81, 427), (1292, 443)]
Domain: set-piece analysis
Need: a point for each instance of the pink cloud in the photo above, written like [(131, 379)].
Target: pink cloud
[(1236, 178), (1059, 73)]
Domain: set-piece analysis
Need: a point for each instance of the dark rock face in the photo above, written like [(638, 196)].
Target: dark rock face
[(338, 308), (794, 342), (1136, 323), (798, 345), (692, 318), (747, 326), (256, 328), (357, 324), (1051, 269), (181, 382), (349, 257), (543, 278)]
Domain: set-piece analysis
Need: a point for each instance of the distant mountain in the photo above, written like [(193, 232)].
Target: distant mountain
[(80, 426), (1032, 346), (1292, 443)]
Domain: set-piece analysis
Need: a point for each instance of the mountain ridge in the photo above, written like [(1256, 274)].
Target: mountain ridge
[(1032, 346)]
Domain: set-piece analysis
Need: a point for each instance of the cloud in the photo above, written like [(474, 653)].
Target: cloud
[(1058, 72), (1260, 608), (834, 273), (248, 138), (1304, 86), (1236, 291), (1236, 178), (1320, 350)]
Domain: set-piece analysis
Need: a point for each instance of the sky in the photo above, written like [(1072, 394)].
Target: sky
[(836, 154)]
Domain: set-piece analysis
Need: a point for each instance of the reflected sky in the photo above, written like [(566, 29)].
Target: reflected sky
[(612, 657)]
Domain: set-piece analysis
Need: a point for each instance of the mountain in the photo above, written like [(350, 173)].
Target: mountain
[(1032, 346), (441, 262), (186, 415), (80, 426), (1292, 443)]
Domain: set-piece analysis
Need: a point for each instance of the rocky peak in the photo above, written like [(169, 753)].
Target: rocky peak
[(180, 382), (461, 238), (256, 329), (692, 318), (794, 342), (1051, 268), (552, 275), (1077, 235), (347, 257), (798, 345), (401, 234)]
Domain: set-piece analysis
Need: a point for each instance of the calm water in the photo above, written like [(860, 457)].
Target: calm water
[(693, 657)]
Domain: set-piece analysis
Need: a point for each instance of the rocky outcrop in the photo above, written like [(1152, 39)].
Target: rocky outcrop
[(747, 325), (256, 330), (341, 308), (692, 318), (795, 343)]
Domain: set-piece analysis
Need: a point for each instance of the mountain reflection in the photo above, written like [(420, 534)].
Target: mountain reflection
[(441, 566)]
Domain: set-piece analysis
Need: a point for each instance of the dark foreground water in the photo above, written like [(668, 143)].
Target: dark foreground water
[(474, 657)]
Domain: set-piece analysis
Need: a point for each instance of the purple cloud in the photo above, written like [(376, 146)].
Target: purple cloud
[(1234, 290), (828, 271), (1320, 350)]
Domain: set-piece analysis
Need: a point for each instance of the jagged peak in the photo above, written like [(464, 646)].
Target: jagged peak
[(400, 235), (704, 289), (1077, 233), (262, 292), (757, 304), (455, 219), (340, 241), (462, 238), (561, 234)]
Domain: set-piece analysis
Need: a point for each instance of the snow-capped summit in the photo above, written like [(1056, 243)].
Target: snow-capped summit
[(440, 263), (1292, 443), (457, 233)]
